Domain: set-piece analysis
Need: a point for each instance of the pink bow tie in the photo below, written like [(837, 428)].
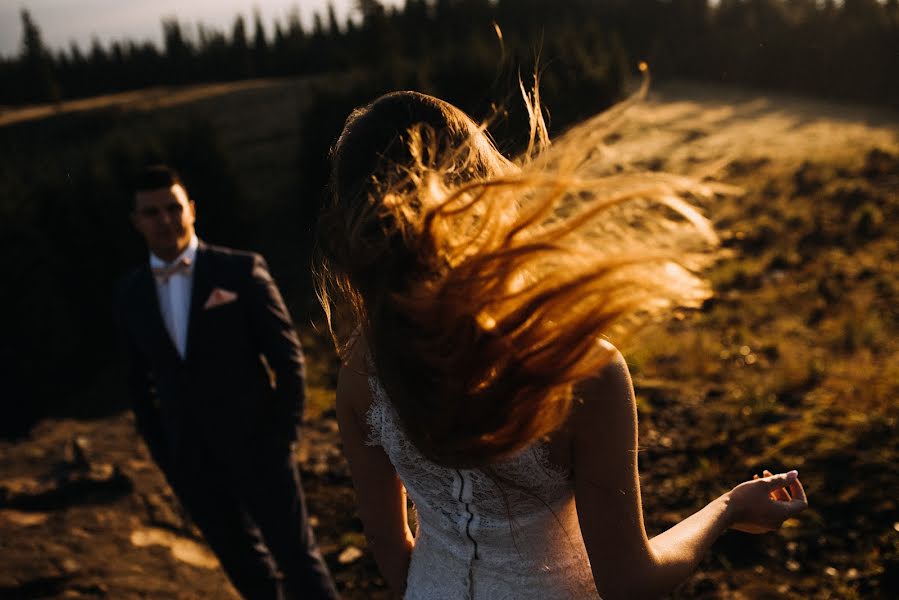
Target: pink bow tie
[(163, 274)]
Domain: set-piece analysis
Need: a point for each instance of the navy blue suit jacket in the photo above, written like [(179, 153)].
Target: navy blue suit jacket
[(241, 381)]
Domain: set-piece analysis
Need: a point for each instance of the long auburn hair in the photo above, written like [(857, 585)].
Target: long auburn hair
[(483, 286)]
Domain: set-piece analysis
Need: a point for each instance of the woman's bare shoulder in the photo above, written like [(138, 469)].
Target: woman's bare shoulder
[(607, 385), (353, 389), (605, 400)]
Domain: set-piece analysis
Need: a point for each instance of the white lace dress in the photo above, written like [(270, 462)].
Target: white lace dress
[(479, 538)]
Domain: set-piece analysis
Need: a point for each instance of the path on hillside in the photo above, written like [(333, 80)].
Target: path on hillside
[(146, 100), (689, 123)]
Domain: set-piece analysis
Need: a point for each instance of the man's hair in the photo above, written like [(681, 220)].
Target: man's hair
[(154, 177)]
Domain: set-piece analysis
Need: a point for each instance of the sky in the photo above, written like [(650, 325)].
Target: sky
[(64, 21)]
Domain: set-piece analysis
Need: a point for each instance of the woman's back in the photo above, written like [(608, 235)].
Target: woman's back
[(480, 292), (505, 531)]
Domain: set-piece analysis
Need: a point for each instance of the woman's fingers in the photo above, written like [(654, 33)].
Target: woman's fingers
[(798, 492), (770, 494), (780, 494), (781, 480), (798, 501)]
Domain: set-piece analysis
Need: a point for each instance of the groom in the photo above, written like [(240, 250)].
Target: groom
[(217, 385)]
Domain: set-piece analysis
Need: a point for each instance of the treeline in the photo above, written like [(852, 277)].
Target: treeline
[(836, 49)]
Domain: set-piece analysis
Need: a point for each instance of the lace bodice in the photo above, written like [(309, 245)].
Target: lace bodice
[(509, 533)]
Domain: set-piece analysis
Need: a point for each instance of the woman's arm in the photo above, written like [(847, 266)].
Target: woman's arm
[(625, 562), (380, 496)]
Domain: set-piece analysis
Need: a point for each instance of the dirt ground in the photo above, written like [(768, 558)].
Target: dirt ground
[(87, 514), (793, 365)]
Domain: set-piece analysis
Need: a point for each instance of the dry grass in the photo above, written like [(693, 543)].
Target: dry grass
[(795, 363)]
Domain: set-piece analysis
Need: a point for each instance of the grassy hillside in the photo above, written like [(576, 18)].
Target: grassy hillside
[(793, 364)]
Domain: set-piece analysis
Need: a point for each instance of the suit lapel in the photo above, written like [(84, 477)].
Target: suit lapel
[(200, 290), (148, 301)]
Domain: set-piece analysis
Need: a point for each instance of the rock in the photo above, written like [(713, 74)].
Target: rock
[(184, 549), (76, 453), (69, 566), (65, 487), (23, 519), (160, 512), (349, 555)]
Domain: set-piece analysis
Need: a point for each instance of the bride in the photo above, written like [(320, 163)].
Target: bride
[(470, 297)]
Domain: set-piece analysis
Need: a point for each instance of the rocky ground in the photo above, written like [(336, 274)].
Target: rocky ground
[(85, 513)]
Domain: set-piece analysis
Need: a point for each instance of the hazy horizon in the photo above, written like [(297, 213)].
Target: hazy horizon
[(63, 22)]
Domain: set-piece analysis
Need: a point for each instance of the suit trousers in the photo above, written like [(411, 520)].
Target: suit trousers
[(251, 510)]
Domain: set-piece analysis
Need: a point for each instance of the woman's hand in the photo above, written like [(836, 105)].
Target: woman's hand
[(763, 504)]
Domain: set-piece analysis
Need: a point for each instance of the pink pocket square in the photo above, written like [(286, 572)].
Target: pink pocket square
[(218, 297)]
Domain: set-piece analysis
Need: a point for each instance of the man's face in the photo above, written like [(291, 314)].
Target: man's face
[(165, 218)]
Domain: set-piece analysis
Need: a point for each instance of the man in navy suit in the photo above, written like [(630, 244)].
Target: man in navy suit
[(217, 384)]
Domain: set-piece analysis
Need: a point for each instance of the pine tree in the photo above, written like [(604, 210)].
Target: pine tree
[(178, 52), (240, 50), (38, 80), (260, 46)]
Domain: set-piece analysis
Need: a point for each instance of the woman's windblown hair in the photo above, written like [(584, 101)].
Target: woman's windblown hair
[(483, 286)]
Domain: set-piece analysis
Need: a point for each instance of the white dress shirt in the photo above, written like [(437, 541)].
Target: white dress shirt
[(174, 295)]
